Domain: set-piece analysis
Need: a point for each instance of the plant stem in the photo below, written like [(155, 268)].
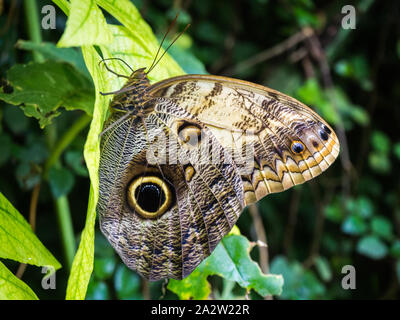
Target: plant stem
[(32, 19), (67, 232), (61, 203)]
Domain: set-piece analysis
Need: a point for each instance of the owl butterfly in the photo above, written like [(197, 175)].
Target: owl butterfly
[(181, 158)]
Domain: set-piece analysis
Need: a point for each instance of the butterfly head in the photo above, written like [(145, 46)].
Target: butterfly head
[(132, 97)]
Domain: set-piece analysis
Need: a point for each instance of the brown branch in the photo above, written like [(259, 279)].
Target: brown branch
[(292, 220), (318, 53), (271, 52), (261, 236), (145, 289), (318, 228), (373, 100), (10, 17)]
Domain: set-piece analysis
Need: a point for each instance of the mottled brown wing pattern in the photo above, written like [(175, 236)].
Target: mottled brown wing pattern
[(206, 205), (230, 107), (165, 211)]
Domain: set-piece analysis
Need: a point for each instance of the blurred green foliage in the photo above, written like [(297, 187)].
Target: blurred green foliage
[(350, 215)]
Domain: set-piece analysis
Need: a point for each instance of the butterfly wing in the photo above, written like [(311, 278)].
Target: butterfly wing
[(270, 124), (217, 144), (206, 197)]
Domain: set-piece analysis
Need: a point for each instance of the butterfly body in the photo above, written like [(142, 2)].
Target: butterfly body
[(191, 153)]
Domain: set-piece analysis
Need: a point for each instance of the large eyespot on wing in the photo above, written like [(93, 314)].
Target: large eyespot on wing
[(212, 199), (163, 219), (291, 142), (146, 235)]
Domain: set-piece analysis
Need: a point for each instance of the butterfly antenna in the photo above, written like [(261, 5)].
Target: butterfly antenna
[(163, 39), (112, 71), (165, 51)]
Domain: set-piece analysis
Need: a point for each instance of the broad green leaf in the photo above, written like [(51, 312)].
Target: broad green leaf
[(64, 5), (86, 25), (132, 44), (189, 63), (51, 52), (18, 242), (372, 247), (230, 260), (82, 266), (300, 283), (193, 287), (12, 288), (141, 44), (44, 87)]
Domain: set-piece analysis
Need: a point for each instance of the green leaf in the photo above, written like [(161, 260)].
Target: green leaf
[(18, 242), (300, 283), (398, 270), (380, 142), (51, 52), (12, 288), (44, 87), (86, 25), (61, 181), (195, 286), (82, 266), (382, 227), (372, 247), (136, 43), (354, 225), (230, 260), (189, 63)]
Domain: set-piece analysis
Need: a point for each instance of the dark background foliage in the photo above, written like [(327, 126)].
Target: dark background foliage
[(350, 215)]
